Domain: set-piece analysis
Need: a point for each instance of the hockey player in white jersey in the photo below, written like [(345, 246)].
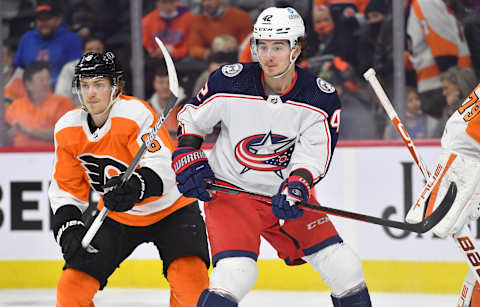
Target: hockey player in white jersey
[(279, 127), (459, 162)]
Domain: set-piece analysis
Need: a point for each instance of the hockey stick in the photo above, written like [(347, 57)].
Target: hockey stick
[(421, 227), (172, 101), (463, 239)]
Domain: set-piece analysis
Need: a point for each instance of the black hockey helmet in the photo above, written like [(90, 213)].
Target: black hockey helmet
[(98, 65)]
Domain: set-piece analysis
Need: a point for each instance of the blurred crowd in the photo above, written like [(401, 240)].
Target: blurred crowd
[(43, 40)]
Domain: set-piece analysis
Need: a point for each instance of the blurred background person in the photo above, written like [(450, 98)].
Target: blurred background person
[(215, 60), (170, 21), (330, 38), (436, 43), (50, 41), (358, 121), (159, 99), (457, 83), (32, 118), (415, 121), (368, 35), (216, 19), (12, 78), (471, 25), (64, 82)]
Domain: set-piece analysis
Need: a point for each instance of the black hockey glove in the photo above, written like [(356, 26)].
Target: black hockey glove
[(123, 197), (69, 229)]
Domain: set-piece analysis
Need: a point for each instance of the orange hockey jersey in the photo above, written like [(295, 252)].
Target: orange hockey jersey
[(86, 160)]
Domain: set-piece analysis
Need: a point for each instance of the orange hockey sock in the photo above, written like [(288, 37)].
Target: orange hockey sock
[(188, 277), (76, 289), (475, 302)]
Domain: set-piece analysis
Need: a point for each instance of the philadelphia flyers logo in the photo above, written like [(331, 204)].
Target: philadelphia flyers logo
[(265, 152), (101, 168)]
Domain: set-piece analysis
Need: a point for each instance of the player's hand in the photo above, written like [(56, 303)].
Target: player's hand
[(122, 198), (69, 230), (192, 170), (292, 191)]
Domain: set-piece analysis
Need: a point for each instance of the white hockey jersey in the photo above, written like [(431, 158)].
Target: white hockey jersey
[(263, 138), (462, 131)]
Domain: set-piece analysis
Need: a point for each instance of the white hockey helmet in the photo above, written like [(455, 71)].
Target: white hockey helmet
[(279, 24)]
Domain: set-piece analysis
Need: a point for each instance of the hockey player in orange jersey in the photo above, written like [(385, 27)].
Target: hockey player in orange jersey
[(94, 144), (459, 162)]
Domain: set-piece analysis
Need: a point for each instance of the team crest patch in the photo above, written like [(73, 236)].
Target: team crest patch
[(232, 70), (325, 86)]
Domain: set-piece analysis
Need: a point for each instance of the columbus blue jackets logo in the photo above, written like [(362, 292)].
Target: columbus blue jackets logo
[(265, 152), (232, 70), (325, 86), (100, 169)]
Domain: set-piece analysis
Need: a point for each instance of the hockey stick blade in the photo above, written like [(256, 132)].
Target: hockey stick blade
[(422, 227), (172, 101)]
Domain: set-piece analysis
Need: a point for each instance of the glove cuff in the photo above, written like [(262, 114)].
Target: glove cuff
[(298, 182), (184, 157), (150, 181), (66, 217)]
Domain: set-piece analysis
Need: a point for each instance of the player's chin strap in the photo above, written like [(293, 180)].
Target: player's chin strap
[(110, 104), (292, 61)]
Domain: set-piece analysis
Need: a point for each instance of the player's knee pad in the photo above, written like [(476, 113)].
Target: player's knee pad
[(188, 277), (211, 299), (340, 268), (234, 277), (358, 298), (76, 289)]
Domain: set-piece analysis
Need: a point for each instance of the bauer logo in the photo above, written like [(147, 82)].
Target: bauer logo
[(267, 18), (232, 70)]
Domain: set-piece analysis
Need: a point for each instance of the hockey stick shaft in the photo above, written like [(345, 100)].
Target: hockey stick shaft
[(464, 235), (172, 101), (369, 75), (422, 227)]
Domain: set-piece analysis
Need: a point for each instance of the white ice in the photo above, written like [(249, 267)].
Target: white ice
[(159, 298)]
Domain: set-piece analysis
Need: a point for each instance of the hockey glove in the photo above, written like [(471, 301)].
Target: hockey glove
[(69, 229), (122, 198), (192, 170), (293, 190)]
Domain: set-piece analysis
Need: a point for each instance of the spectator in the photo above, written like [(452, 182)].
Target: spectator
[(215, 60), (330, 39), (12, 77), (457, 84), (32, 118), (50, 41), (64, 82), (160, 97), (224, 50), (17, 17), (435, 45), (170, 22), (472, 36), (216, 19), (415, 121), (358, 121), (375, 13)]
